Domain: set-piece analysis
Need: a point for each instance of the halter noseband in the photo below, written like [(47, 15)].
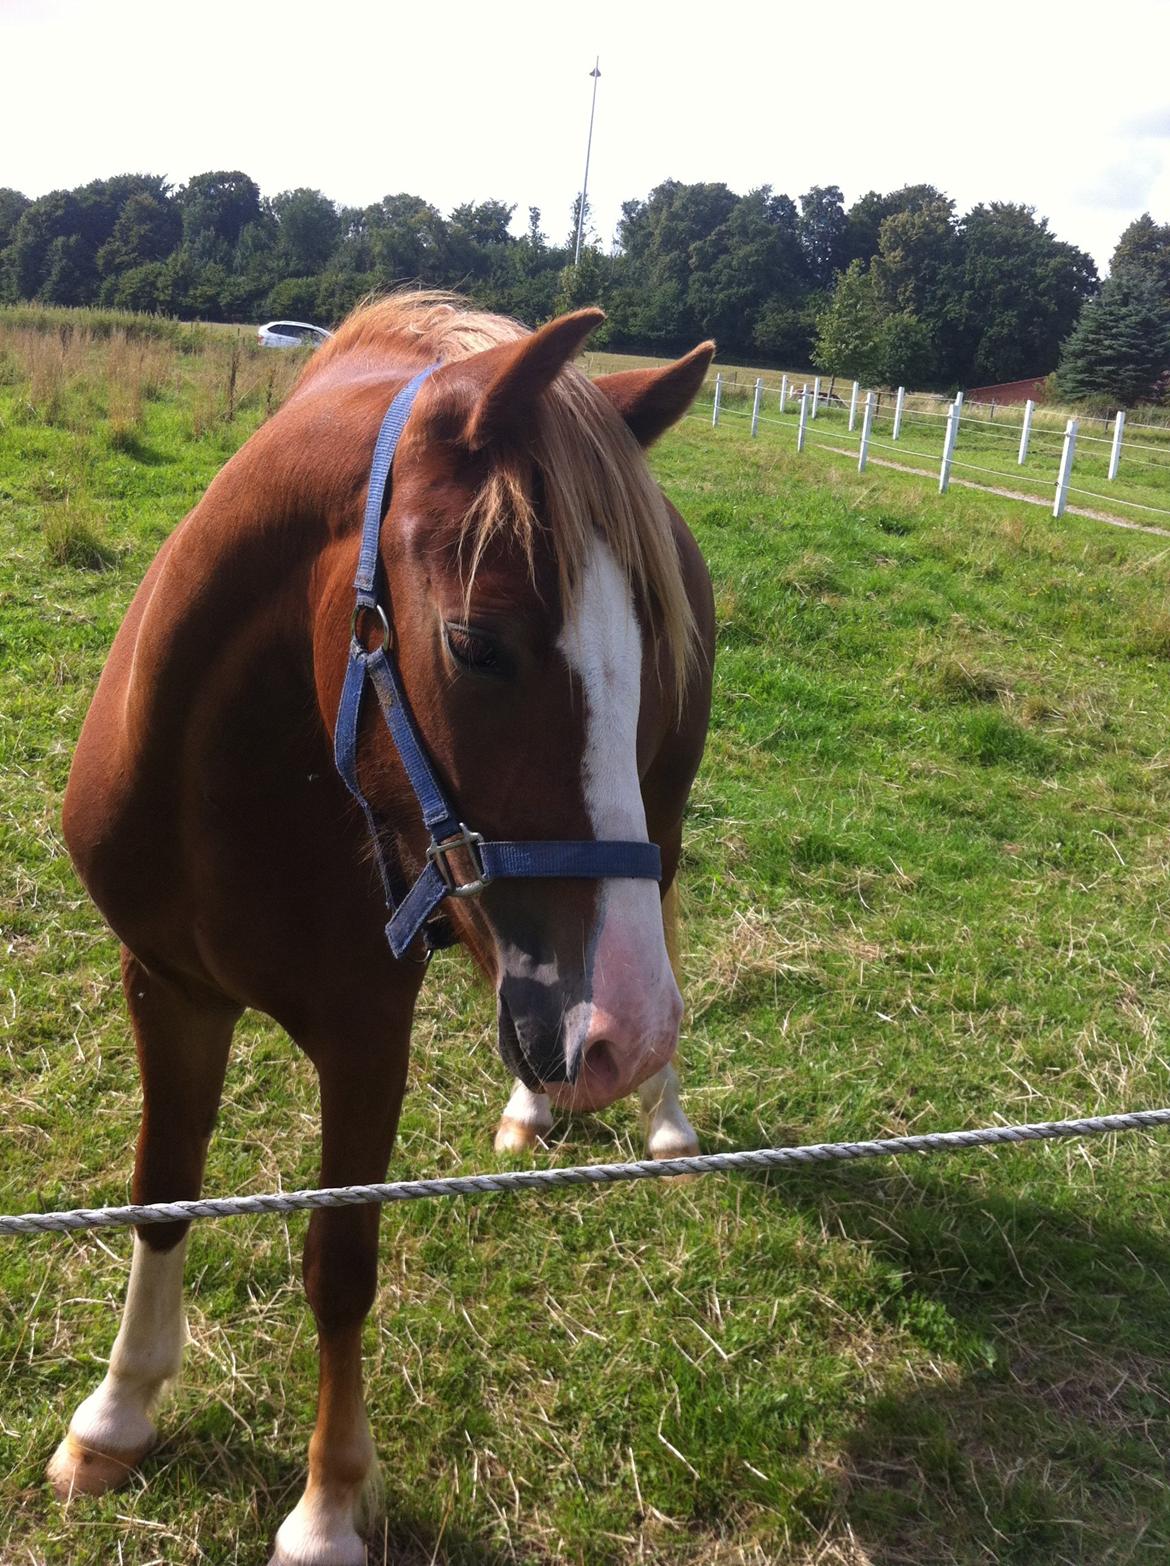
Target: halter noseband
[(411, 909)]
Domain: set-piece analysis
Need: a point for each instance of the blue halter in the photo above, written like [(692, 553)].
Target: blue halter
[(411, 909)]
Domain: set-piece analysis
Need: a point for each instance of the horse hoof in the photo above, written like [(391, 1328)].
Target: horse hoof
[(75, 1469), (293, 1547), (513, 1136), (279, 1558), (670, 1143), (330, 1558)]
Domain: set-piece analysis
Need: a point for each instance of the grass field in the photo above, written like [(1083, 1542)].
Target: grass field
[(926, 887)]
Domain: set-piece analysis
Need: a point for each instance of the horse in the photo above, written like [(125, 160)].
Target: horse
[(536, 623)]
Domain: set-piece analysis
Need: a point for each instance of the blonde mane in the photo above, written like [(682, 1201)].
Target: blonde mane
[(595, 480)]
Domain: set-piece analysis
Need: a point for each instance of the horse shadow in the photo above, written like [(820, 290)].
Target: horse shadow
[(1034, 1427)]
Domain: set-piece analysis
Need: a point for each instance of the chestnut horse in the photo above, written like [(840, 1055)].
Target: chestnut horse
[(551, 626)]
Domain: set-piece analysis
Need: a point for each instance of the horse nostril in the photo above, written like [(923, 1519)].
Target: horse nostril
[(600, 1068)]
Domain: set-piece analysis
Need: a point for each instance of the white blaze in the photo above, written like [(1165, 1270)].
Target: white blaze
[(602, 644)]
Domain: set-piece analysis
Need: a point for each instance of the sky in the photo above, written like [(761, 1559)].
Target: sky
[(1066, 108)]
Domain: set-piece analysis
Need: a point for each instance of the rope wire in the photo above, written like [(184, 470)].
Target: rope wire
[(1116, 500), (586, 1174)]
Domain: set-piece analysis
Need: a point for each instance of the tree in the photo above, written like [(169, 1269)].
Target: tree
[(217, 207), (589, 235), (581, 285), (863, 221), (1120, 348), (307, 230), (847, 330), (12, 204), (485, 222), (784, 332), (822, 228), (147, 229), (477, 238), (751, 261), (918, 250), (1143, 247), (294, 299), (903, 351), (147, 288), (1016, 294), (64, 281), (658, 233), (408, 240), (54, 245), (48, 218)]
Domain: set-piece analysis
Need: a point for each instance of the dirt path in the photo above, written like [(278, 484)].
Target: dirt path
[(1009, 494)]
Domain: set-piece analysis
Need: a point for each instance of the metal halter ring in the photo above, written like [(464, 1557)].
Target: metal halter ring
[(358, 611), (469, 841)]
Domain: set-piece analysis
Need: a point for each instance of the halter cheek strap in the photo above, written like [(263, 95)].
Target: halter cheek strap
[(411, 908)]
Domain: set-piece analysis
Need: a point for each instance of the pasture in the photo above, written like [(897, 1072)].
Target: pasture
[(925, 886)]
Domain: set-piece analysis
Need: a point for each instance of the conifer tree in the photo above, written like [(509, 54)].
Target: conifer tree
[(1120, 347)]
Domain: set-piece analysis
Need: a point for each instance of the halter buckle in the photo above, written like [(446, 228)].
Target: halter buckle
[(356, 625), (470, 843)]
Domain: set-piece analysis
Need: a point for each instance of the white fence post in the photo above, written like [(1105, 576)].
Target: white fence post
[(803, 425), (718, 399), (1115, 452), (853, 406), (958, 406), (756, 406), (1026, 432), (783, 391), (1066, 462), (816, 396), (898, 406), (866, 427), (944, 472)]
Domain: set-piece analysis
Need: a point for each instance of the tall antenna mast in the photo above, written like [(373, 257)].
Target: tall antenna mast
[(596, 75)]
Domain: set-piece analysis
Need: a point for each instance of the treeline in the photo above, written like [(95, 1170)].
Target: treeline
[(896, 287)]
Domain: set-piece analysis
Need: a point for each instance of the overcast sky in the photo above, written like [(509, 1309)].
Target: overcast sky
[(1064, 107)]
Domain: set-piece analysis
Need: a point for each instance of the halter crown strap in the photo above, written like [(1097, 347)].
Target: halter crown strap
[(411, 909)]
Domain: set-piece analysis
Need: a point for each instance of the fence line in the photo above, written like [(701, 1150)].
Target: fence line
[(582, 1174), (824, 399), (826, 407)]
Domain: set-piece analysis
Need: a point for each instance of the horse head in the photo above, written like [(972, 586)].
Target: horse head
[(545, 639)]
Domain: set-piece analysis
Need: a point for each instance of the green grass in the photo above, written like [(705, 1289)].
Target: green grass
[(926, 886)]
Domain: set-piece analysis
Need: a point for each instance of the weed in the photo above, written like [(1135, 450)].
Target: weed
[(993, 740), (1151, 637), (810, 575), (959, 681), (71, 540)]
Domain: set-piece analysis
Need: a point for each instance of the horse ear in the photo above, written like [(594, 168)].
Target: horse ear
[(651, 401), (517, 373)]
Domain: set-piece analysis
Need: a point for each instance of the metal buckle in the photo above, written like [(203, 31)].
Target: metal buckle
[(358, 612), (469, 841)]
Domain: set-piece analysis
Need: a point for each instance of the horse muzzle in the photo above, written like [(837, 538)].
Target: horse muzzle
[(583, 1054)]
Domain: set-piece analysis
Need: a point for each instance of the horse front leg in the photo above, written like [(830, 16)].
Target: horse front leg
[(360, 1099), (527, 1120), (667, 1131), (183, 1042)]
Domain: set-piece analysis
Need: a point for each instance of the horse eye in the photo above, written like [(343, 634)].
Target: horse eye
[(471, 648)]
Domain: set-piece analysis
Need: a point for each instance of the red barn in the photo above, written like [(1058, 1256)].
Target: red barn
[(1009, 391)]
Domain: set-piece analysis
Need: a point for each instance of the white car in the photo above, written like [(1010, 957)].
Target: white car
[(292, 334)]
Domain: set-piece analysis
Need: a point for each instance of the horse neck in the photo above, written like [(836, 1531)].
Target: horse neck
[(238, 583)]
